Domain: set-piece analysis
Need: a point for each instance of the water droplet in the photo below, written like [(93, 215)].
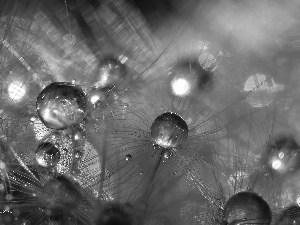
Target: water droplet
[(128, 157), (63, 105), (78, 155), (47, 155), (169, 130), (111, 72), (167, 153), (247, 206)]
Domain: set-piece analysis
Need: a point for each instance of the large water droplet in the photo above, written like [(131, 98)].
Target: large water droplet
[(247, 208), (169, 130), (61, 105)]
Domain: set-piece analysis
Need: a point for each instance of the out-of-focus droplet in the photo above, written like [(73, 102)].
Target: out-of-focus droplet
[(16, 212), (290, 216), (263, 90), (189, 76), (169, 130), (128, 157), (284, 155), (114, 214), (207, 61), (247, 208), (6, 208), (16, 91), (47, 155), (59, 195), (181, 87), (8, 197), (61, 105), (111, 72)]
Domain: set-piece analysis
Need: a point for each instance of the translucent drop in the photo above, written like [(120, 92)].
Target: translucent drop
[(47, 155), (111, 72), (61, 105), (169, 130), (188, 76), (283, 155)]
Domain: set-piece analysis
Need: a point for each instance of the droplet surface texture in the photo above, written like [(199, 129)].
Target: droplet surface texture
[(47, 155), (61, 105), (247, 208), (111, 72), (169, 130)]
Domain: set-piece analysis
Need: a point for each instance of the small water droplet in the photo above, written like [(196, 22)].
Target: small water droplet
[(128, 157), (78, 155)]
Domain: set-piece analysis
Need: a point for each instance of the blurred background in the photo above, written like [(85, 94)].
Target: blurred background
[(229, 69)]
